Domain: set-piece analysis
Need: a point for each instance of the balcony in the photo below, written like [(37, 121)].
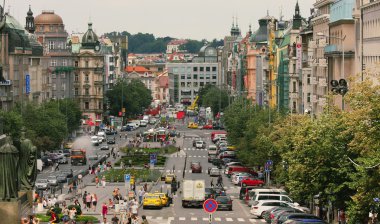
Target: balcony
[(98, 83)]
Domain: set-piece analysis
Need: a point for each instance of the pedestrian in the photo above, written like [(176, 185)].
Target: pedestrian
[(88, 201), (84, 199), (76, 202), (53, 216), (115, 219), (97, 181), (104, 181), (135, 219), (140, 194), (104, 210), (342, 217), (220, 181), (134, 207), (80, 178), (72, 214), (212, 182), (56, 166), (144, 220), (120, 135), (145, 187), (94, 201)]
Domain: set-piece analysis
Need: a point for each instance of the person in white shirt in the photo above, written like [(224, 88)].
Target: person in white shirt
[(134, 207)]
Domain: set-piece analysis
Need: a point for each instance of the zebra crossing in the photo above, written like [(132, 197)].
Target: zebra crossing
[(194, 149), (189, 156), (174, 220)]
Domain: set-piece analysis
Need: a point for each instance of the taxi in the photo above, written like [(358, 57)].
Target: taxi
[(169, 178), (231, 147), (164, 198), (152, 201), (192, 125)]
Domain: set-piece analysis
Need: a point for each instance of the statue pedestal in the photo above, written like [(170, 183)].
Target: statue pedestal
[(12, 211)]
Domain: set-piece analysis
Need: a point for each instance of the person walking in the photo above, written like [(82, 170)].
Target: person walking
[(104, 210), (88, 201), (53, 216), (144, 220), (56, 167), (220, 181), (94, 201), (104, 181), (212, 182), (141, 193), (134, 207), (72, 214), (97, 181), (84, 199)]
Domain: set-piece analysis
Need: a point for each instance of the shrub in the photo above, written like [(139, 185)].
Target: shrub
[(77, 207), (57, 211)]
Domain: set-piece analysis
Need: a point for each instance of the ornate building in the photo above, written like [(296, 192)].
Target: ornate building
[(51, 33), (89, 78)]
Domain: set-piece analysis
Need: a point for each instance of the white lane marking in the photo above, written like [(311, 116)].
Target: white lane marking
[(205, 219), (182, 218), (159, 218), (229, 219), (218, 219), (194, 218), (149, 217), (240, 219), (253, 220)]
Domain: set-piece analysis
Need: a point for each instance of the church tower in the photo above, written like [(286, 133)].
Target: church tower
[(297, 19), (29, 26)]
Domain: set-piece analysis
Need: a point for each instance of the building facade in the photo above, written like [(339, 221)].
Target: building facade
[(185, 79)]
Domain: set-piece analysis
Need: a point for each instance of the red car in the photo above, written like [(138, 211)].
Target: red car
[(196, 167), (251, 181), (207, 126)]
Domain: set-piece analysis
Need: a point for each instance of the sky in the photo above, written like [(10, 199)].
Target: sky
[(193, 19)]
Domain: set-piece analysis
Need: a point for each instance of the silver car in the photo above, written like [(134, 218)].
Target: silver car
[(52, 180), (42, 184)]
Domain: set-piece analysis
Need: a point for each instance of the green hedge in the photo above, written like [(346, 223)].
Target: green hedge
[(81, 218), (118, 174), (161, 151), (140, 159)]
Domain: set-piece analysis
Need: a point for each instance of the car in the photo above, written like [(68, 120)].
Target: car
[(64, 152), (244, 192), (61, 178), (195, 141), (111, 140), (274, 214), (63, 160), (42, 184), (236, 179), (305, 221), (192, 125), (169, 178), (214, 172), (104, 147), (93, 157), (218, 191), (200, 144), (111, 132), (196, 167), (52, 180), (95, 140), (296, 216), (251, 181), (152, 201), (234, 163), (258, 208), (165, 202), (68, 173), (207, 126), (211, 158), (224, 203), (127, 128)]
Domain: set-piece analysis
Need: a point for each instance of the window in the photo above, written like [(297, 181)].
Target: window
[(76, 78), (76, 91), (214, 69), (201, 84), (86, 78), (188, 76), (41, 28), (53, 62), (111, 59), (182, 84), (51, 28), (63, 75), (86, 105), (86, 91), (213, 76), (294, 86), (63, 86), (308, 79), (195, 84), (64, 62), (207, 76), (51, 45), (183, 77), (294, 68), (207, 69), (195, 76), (308, 97), (195, 69), (201, 69), (100, 105), (294, 106), (76, 64), (188, 84), (54, 86), (53, 76), (86, 64)]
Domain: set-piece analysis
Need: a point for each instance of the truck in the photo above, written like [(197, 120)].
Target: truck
[(193, 193), (78, 156)]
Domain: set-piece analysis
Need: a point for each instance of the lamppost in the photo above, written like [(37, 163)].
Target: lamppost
[(339, 87)]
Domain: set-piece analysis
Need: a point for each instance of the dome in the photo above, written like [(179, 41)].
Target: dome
[(89, 39), (48, 17)]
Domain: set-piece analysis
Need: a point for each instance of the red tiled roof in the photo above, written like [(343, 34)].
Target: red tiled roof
[(138, 69)]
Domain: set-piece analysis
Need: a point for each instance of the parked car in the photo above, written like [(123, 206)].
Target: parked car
[(251, 181), (42, 184), (244, 192), (196, 167), (104, 147), (111, 140), (233, 163), (211, 158), (61, 178), (272, 215), (224, 203), (214, 172), (68, 173), (297, 216), (95, 140), (52, 180), (259, 207)]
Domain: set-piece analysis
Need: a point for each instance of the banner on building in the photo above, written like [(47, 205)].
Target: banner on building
[(299, 56), (27, 83)]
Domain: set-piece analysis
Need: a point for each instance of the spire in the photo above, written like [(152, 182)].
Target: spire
[(297, 9), (29, 21), (297, 19), (30, 13), (233, 22), (250, 30)]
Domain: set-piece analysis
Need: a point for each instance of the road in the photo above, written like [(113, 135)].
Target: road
[(175, 213)]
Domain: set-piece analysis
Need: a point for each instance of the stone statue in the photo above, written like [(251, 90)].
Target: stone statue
[(9, 158), (27, 170)]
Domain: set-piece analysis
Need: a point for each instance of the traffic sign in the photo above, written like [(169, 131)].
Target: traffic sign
[(210, 205), (153, 158), (127, 178)]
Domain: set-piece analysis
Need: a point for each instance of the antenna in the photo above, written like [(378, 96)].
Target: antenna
[(281, 15)]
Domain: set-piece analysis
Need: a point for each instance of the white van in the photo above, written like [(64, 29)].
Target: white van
[(252, 193), (95, 140), (212, 150), (102, 136), (266, 197)]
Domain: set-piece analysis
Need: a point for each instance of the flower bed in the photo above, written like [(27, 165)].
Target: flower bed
[(117, 175)]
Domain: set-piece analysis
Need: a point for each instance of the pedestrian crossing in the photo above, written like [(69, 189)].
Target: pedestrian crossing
[(194, 149), (173, 220), (189, 156)]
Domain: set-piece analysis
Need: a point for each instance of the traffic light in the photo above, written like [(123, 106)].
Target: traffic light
[(335, 86), (339, 87)]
